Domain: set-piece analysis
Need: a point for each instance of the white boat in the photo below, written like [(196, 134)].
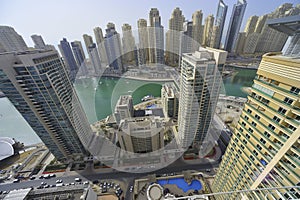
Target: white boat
[(147, 97)]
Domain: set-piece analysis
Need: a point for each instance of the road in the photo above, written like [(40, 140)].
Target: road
[(177, 166)]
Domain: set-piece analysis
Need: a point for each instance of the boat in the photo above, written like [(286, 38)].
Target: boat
[(130, 91), (147, 97)]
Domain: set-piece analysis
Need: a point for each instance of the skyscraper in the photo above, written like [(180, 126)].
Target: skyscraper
[(128, 44), (37, 84), (208, 30), (186, 40), (156, 37), (100, 44), (68, 57), (240, 43), (88, 40), (236, 19), (199, 91), (79, 56), (173, 37), (197, 29), (95, 58), (264, 149), (10, 40), (38, 42), (251, 24), (143, 41), (113, 48), (219, 22)]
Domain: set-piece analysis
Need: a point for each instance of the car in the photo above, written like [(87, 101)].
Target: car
[(77, 179), (95, 181), (41, 177), (59, 181), (52, 175), (52, 186), (43, 183), (60, 184), (16, 180), (131, 189), (208, 170), (5, 192), (32, 178), (40, 187), (72, 183), (46, 186)]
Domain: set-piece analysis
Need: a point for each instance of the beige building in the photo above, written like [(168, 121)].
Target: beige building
[(240, 43), (141, 134), (124, 108), (143, 41), (100, 44), (128, 44), (264, 149), (250, 25), (88, 41), (208, 30), (197, 29), (173, 37)]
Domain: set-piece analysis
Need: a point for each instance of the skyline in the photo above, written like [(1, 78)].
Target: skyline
[(72, 26)]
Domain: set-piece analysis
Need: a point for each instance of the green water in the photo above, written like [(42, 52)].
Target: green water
[(242, 78), (98, 97)]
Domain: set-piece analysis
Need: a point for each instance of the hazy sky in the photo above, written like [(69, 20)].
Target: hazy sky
[(55, 19)]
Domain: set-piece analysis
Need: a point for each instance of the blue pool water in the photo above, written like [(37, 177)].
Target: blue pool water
[(152, 106), (180, 182)]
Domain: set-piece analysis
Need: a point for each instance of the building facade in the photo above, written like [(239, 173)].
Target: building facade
[(219, 24), (235, 23), (38, 42), (170, 100), (128, 45), (199, 91), (112, 44), (141, 135), (100, 44), (124, 108), (208, 30), (68, 58), (37, 84), (197, 34), (173, 38), (143, 45), (156, 38), (10, 40)]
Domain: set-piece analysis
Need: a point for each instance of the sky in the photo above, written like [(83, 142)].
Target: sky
[(56, 19)]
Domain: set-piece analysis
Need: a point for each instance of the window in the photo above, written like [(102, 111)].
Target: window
[(267, 134), (243, 123), (259, 147), (276, 119), (253, 123), (282, 110), (250, 130), (247, 136), (255, 153), (262, 141), (271, 127), (295, 90), (292, 127), (288, 100), (246, 117), (249, 111), (257, 116)]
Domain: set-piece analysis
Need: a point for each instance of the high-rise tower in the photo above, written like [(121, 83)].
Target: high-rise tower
[(219, 24), (264, 149), (173, 37), (68, 57), (37, 84), (10, 40), (143, 49), (208, 30), (197, 34), (38, 42), (128, 44), (156, 37), (199, 91), (113, 48), (236, 19), (100, 44)]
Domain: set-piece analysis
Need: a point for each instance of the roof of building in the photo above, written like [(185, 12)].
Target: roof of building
[(6, 147), (17, 194), (288, 25)]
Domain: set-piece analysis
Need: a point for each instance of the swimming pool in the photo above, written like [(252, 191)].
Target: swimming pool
[(180, 182)]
